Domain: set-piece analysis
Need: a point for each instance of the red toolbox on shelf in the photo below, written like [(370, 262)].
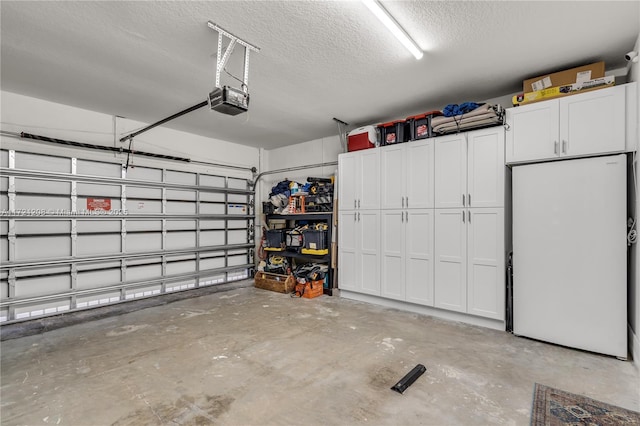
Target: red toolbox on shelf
[(362, 138)]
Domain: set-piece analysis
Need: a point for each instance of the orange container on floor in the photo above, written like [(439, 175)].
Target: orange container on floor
[(310, 289)]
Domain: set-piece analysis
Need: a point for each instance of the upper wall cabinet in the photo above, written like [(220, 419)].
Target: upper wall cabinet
[(591, 123), (359, 173), (469, 171), (407, 175)]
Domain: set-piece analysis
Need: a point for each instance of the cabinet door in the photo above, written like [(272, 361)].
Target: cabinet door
[(419, 259), (451, 262), (533, 132), (348, 165), (392, 254), (485, 264), (369, 251), (593, 122), (419, 165), (450, 171), (392, 176), (369, 174), (348, 251), (485, 160)]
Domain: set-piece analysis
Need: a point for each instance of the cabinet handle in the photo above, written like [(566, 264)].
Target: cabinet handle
[(564, 147), (355, 203), (469, 211), (407, 213), (462, 216), (462, 200), (354, 216), (358, 216), (555, 147), (407, 207), (358, 203), (402, 198), (469, 200), (401, 216)]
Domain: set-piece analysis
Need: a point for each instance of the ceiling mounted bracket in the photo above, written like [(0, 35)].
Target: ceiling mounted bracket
[(222, 58)]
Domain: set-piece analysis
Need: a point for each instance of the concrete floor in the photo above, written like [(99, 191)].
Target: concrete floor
[(254, 357)]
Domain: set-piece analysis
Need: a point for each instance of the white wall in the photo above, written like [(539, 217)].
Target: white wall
[(20, 113), (634, 257)]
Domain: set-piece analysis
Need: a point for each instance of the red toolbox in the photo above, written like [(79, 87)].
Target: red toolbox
[(362, 138)]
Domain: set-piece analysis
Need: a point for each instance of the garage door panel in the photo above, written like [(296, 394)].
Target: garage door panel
[(212, 180), (86, 260), (212, 238), (43, 186), (237, 237), (180, 240), (96, 168), (208, 208), (212, 197), (137, 243), (95, 245), (183, 178), (145, 173), (97, 299), (95, 190), (31, 227), (42, 203), (187, 225), (114, 225), (181, 207), (40, 286), (174, 194), (39, 248), (143, 193), (175, 268), (143, 206), (143, 225), (97, 279), (144, 273), (42, 163)]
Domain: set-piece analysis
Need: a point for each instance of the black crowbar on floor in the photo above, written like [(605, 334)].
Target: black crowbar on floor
[(408, 380)]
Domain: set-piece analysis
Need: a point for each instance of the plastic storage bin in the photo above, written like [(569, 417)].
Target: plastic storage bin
[(393, 132)]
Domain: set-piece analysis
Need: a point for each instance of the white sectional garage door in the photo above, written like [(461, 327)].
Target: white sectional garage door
[(76, 233)]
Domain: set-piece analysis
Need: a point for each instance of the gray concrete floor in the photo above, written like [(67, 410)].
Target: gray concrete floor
[(254, 357)]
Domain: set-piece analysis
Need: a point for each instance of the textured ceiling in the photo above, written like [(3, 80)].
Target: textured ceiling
[(146, 60)]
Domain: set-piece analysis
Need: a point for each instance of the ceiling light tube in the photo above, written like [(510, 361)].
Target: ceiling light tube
[(395, 28)]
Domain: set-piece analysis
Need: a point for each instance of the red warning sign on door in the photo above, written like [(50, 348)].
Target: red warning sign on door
[(102, 204)]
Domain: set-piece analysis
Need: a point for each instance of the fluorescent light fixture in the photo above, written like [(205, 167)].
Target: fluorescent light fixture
[(395, 28)]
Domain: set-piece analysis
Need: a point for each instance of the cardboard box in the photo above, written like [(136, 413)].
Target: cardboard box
[(560, 91), (563, 78)]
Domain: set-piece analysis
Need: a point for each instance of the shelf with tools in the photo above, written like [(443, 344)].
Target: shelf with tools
[(300, 238)]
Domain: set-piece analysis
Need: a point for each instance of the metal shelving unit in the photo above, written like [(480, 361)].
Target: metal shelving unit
[(310, 217)]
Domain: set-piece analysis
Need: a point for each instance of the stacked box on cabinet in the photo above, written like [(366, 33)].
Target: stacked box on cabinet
[(393, 132), (362, 138), (420, 125)]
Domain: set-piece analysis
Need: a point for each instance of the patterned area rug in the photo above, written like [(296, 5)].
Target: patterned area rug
[(555, 407)]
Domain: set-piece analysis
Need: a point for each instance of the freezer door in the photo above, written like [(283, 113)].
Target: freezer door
[(569, 253)]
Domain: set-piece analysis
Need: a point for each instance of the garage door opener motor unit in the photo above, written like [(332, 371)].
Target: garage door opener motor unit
[(225, 99)]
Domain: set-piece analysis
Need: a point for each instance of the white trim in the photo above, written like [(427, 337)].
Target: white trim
[(634, 347), (425, 310)]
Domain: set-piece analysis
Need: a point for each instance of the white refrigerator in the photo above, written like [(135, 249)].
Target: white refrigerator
[(570, 253)]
